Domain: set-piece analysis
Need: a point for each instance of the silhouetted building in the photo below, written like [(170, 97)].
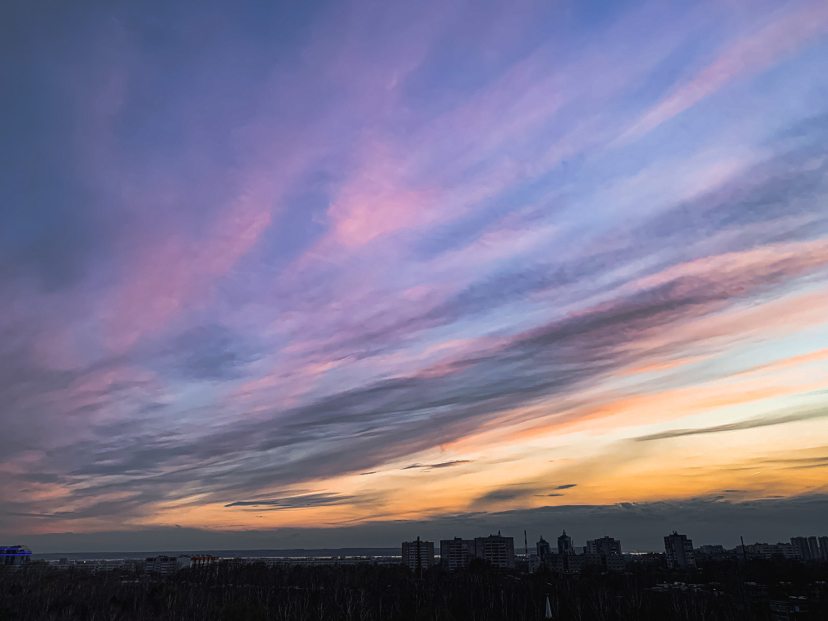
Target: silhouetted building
[(766, 551), (705, 553), (645, 558), (813, 548), (15, 555), (498, 550), (609, 551), (456, 553), (543, 549), (201, 561), (555, 561), (679, 550), (789, 610), (565, 544), (576, 562), (418, 554), (823, 548), (166, 565), (802, 548), (615, 562), (604, 546)]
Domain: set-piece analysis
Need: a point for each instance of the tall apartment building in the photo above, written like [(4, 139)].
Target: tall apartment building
[(813, 547), (604, 546), (609, 551), (418, 554), (802, 548), (679, 550), (565, 544), (498, 550), (542, 548), (456, 553), (823, 548)]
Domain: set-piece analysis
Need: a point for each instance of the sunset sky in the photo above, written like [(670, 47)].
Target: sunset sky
[(288, 267)]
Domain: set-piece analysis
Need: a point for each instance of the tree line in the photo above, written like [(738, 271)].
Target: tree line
[(236, 591)]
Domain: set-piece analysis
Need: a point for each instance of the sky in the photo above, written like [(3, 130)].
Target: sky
[(293, 274)]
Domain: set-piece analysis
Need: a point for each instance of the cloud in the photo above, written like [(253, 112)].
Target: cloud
[(212, 352), (516, 492), (339, 433), (295, 502), (275, 276), (502, 494), (780, 38), (752, 423), (772, 201), (639, 526), (445, 464)]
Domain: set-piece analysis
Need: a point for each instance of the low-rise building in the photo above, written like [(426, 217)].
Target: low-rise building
[(554, 562), (766, 551), (166, 565), (789, 610), (111, 565), (615, 562), (577, 562), (201, 561)]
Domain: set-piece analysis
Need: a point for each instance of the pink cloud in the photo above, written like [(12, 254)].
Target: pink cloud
[(377, 202), (176, 271), (752, 54), (447, 165)]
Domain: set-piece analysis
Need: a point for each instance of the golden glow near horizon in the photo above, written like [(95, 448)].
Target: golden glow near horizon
[(590, 448)]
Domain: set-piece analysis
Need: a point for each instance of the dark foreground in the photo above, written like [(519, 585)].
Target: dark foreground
[(230, 591)]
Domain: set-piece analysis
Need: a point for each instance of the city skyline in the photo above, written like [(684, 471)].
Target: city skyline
[(299, 272), (723, 530)]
